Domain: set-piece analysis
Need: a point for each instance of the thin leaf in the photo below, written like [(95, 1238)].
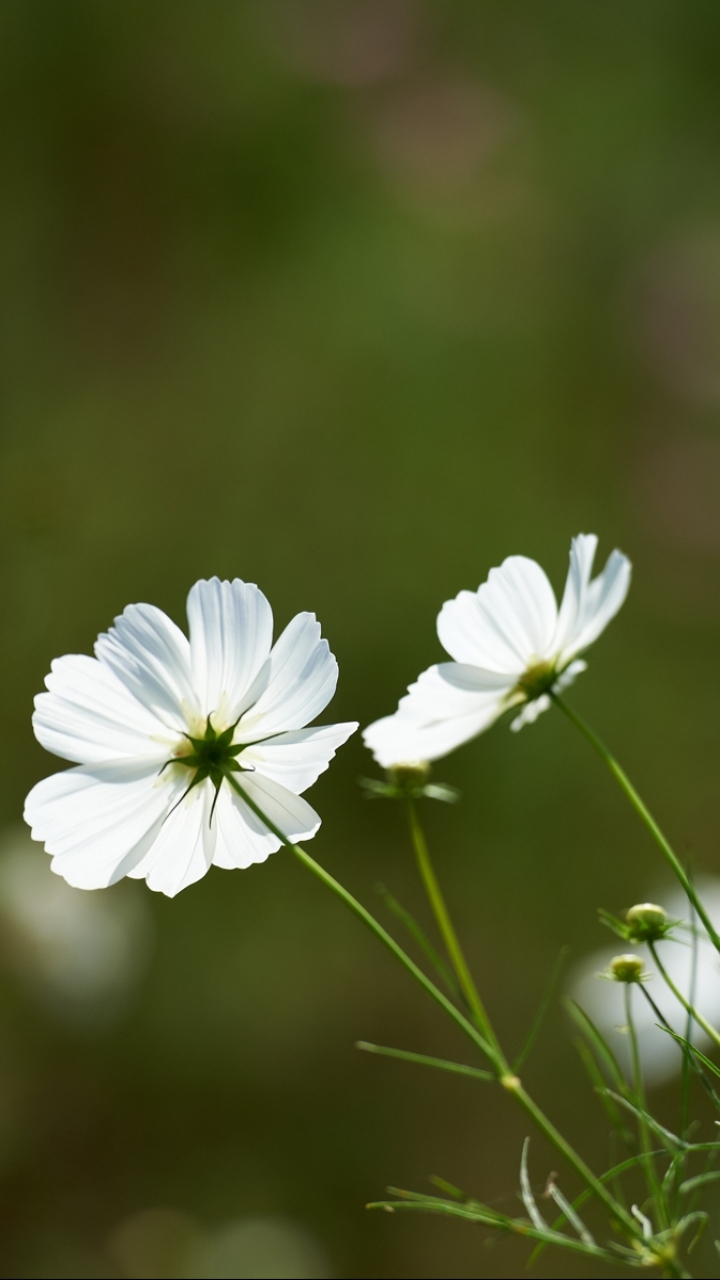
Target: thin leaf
[(653, 1124), (598, 1043), (598, 1081), (694, 1184), (572, 1217), (423, 1060), (542, 1009), (696, 1052), (441, 791), (429, 1204), (579, 1200), (526, 1192), (451, 1190), (422, 941)]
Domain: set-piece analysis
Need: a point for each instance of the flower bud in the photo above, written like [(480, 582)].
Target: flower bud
[(647, 922), (627, 968), (410, 775)]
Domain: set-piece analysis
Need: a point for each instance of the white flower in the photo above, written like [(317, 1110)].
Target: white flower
[(511, 646), (163, 729)]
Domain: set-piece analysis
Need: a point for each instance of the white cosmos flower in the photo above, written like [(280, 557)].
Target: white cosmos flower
[(511, 645), (162, 727)]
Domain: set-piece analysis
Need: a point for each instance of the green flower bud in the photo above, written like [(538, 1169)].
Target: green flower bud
[(647, 922), (410, 776), (627, 968)]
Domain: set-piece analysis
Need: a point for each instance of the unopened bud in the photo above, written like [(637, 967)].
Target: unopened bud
[(412, 774), (647, 922), (627, 968)]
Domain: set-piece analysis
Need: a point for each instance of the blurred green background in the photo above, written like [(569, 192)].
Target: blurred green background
[(351, 299)]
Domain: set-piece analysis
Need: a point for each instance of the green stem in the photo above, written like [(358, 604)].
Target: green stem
[(644, 813), (510, 1082), (702, 1022), (445, 925), (645, 1143)]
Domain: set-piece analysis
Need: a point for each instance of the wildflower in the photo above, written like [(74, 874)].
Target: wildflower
[(511, 647), (170, 735)]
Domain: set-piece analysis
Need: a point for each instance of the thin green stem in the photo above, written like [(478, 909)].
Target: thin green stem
[(446, 927), (509, 1082), (650, 1172), (644, 813), (702, 1022)]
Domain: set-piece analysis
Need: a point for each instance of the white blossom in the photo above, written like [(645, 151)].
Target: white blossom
[(511, 647), (163, 730)]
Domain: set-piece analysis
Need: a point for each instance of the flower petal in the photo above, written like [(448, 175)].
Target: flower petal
[(151, 656), (587, 607), (88, 715), (98, 821), (405, 739), (507, 624), (183, 850), (230, 638), (294, 685), (530, 712), (296, 759), (242, 838), (292, 815)]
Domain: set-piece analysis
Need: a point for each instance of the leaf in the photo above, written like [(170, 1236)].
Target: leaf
[(482, 1214), (423, 1060), (602, 1049), (615, 1172), (526, 1192), (441, 791), (569, 1212), (421, 939), (687, 1044), (642, 1115), (542, 1009), (694, 1184), (598, 1081)]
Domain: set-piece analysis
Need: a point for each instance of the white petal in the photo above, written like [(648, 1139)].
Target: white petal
[(587, 607), (605, 597), (530, 712), (292, 815), (182, 853), (98, 820), (570, 675), (88, 715), (151, 656), (453, 689), (294, 685), (405, 739), (297, 759), (507, 624), (242, 838), (230, 638)]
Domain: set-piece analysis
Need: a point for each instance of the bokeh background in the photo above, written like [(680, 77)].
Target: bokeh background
[(352, 299)]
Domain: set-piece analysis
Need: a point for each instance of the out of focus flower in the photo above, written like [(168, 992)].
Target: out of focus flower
[(170, 735), (512, 647), (80, 954), (163, 1242), (603, 1001)]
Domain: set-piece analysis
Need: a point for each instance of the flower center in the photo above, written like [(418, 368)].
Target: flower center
[(213, 756), (537, 680)]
